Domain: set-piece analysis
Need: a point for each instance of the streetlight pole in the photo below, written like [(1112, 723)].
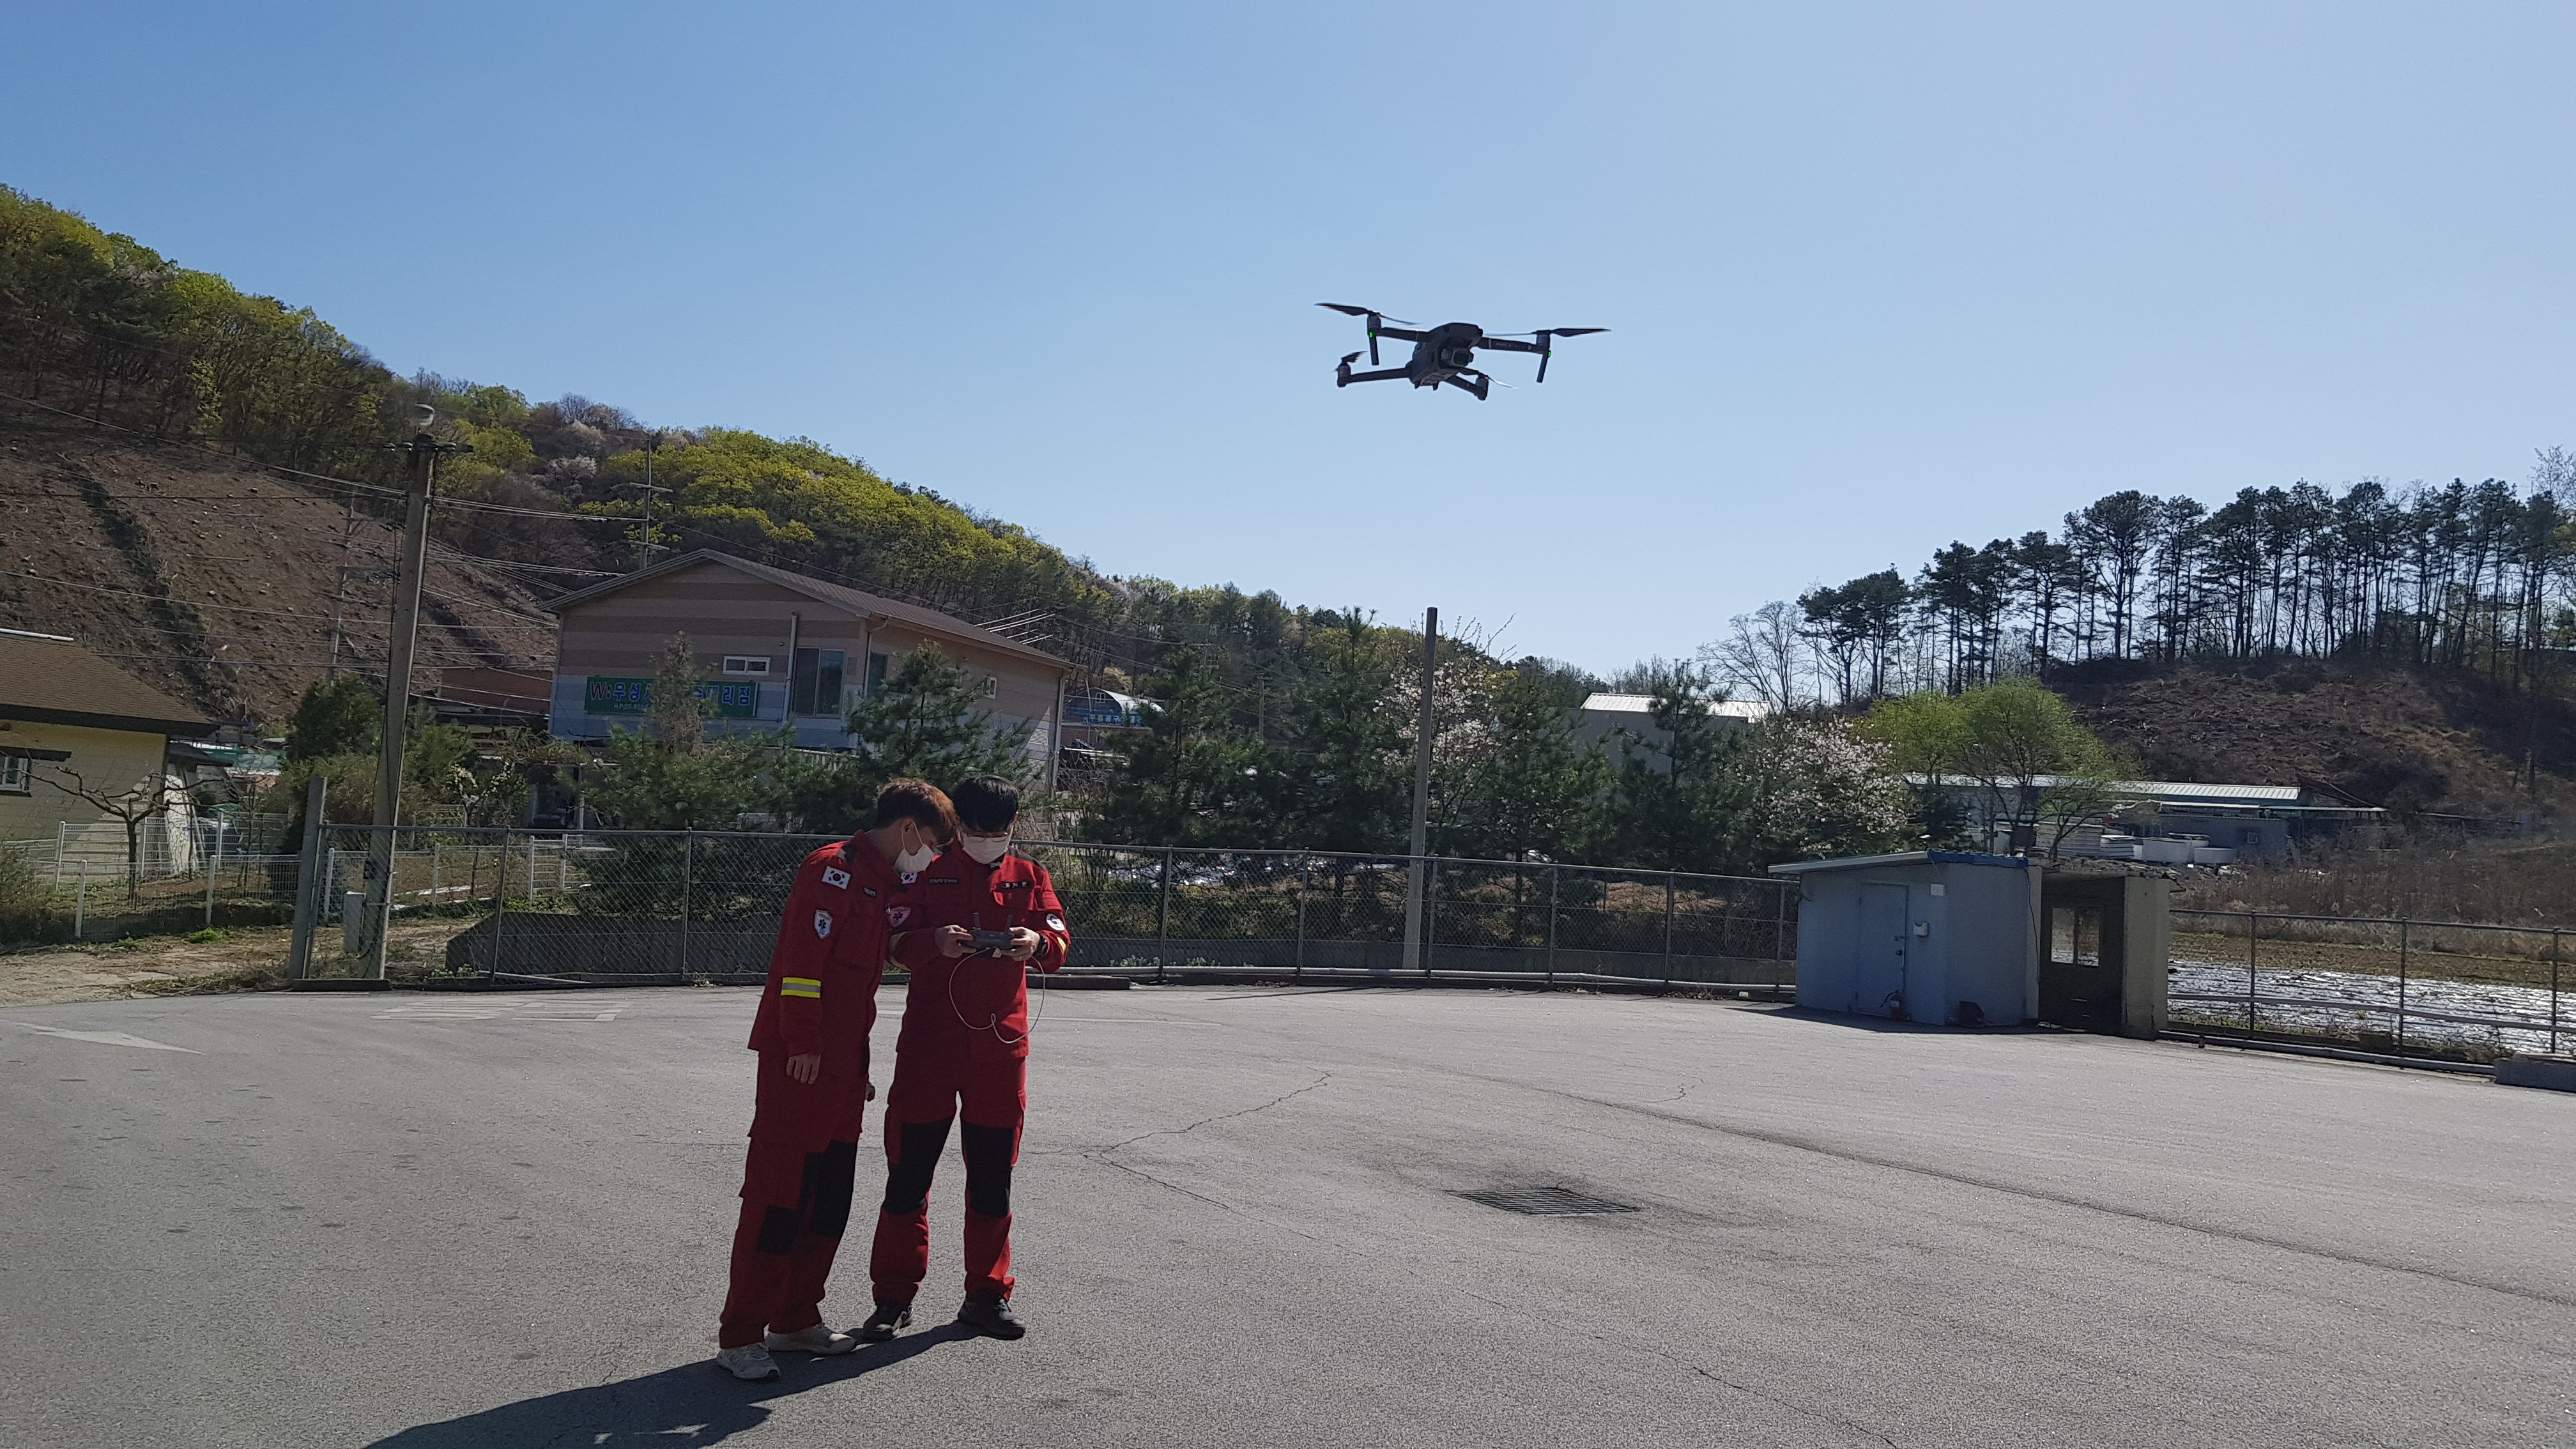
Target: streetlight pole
[(1421, 797)]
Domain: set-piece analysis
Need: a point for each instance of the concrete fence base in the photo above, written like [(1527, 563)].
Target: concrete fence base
[(546, 945), (1387, 957)]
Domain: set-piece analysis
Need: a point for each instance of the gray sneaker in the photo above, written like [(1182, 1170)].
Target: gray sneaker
[(750, 1363), (821, 1338)]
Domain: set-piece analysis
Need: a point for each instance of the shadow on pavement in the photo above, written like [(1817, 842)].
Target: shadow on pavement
[(695, 1403), (1858, 1022)]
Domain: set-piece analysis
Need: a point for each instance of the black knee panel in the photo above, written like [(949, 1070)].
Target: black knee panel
[(836, 1178), (988, 1168), (916, 1158), (778, 1230)]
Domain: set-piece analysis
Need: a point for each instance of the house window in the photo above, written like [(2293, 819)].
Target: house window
[(815, 685), (746, 664), (13, 775), (2075, 935), (876, 674)]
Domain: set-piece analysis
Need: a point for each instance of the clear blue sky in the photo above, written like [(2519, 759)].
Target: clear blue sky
[(1881, 276)]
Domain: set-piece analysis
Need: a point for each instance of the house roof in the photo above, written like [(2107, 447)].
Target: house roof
[(1641, 703), (1905, 857), (2170, 792), (51, 680), (840, 596)]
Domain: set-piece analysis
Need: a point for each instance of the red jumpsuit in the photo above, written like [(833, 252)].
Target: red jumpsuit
[(821, 998), (965, 1040)]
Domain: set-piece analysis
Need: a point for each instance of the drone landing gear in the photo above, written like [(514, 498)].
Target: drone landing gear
[(1344, 377), (1477, 387)]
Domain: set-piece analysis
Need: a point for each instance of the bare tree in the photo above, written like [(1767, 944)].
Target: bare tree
[(134, 807), (1763, 653)]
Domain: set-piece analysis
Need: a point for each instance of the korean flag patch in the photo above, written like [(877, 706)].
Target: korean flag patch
[(897, 915), (1055, 923), (822, 923), (833, 875)]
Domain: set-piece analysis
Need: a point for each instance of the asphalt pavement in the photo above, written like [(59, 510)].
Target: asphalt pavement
[(435, 1221)]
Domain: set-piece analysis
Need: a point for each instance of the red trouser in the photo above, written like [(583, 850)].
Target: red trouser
[(929, 1088), (796, 1192)]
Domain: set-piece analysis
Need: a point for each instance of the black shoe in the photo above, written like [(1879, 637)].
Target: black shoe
[(881, 1325), (990, 1315)]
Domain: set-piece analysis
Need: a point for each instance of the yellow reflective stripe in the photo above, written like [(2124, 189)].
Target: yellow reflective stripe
[(800, 986)]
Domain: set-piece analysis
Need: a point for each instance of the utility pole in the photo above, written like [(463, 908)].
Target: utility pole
[(644, 545), (1414, 870), (423, 450)]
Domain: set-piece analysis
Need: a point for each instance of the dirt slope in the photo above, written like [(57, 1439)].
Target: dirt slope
[(215, 582), (2409, 739)]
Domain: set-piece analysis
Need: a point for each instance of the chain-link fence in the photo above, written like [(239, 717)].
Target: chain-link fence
[(2397, 986), (704, 905)]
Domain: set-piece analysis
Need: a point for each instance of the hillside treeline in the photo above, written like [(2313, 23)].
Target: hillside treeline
[(2478, 577), (101, 326)]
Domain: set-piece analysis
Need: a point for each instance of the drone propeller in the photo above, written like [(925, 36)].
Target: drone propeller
[(1546, 343), (1374, 318)]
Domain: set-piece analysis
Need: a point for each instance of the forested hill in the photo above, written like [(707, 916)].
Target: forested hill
[(100, 327)]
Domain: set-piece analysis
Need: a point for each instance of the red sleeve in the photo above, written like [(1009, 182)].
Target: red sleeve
[(796, 966), (1056, 943)]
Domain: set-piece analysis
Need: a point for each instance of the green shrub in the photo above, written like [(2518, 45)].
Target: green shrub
[(26, 900)]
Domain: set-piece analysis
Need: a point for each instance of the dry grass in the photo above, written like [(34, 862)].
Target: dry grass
[(2496, 882)]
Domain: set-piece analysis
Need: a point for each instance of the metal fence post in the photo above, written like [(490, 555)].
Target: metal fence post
[(1300, 970), (1671, 878), (1779, 927), (435, 883), (213, 862), (308, 880), (1551, 926), (1430, 911), (1162, 913), (500, 901), (2401, 987), (2253, 920), (2553, 992), (688, 877), (80, 902), (532, 870)]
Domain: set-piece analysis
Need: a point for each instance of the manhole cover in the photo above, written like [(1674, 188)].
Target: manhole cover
[(1546, 1202)]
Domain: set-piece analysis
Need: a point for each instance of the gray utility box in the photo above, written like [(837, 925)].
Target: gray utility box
[(1944, 936)]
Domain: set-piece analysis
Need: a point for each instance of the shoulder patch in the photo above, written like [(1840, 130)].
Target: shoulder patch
[(1055, 923), (833, 875), (897, 915), (822, 923)]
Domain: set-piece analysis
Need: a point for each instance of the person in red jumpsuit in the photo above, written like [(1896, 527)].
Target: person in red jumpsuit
[(812, 1036), (983, 916)]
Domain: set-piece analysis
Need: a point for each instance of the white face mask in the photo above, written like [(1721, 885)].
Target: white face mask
[(915, 861), (985, 849)]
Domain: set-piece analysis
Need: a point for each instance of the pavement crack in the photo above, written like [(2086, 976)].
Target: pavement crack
[(1792, 1405), (1319, 1081)]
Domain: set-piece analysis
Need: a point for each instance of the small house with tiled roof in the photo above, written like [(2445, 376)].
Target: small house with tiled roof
[(73, 725), (774, 647)]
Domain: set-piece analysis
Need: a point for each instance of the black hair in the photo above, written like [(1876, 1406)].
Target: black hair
[(986, 804)]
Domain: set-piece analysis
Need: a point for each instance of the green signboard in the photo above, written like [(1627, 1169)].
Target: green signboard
[(732, 698)]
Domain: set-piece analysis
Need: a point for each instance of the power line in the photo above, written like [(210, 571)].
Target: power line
[(228, 608)]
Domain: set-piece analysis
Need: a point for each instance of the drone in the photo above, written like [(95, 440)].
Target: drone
[(1446, 353)]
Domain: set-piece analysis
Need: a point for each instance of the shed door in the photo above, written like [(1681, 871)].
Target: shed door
[(1883, 928)]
